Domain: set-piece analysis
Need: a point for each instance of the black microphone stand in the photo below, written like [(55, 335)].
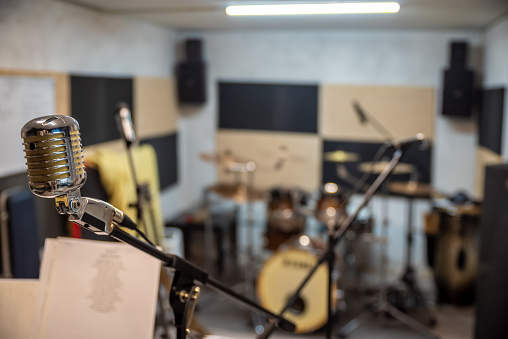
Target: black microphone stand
[(335, 235), (103, 219), (144, 200)]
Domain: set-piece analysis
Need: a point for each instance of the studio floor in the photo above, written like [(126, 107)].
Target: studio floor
[(222, 318)]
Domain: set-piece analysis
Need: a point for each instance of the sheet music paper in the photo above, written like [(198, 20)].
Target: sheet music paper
[(17, 306), (94, 289)]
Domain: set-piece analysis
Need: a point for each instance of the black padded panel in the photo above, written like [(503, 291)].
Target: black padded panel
[(270, 107), (51, 224), (492, 294), (22, 226), (93, 100), (166, 148), (420, 159), (491, 119)]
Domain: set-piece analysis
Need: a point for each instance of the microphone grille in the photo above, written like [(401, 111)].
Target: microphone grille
[(54, 158)]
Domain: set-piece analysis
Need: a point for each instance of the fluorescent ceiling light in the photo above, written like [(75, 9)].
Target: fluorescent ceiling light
[(299, 9)]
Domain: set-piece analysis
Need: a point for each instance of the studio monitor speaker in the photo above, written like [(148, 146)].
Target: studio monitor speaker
[(458, 54), (458, 84), (458, 92), (191, 83), (191, 74)]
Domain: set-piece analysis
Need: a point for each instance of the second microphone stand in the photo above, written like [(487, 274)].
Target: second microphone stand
[(334, 236), (143, 201)]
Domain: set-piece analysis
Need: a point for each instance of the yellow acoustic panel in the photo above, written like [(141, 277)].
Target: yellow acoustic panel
[(155, 107), (404, 111), (290, 160), (484, 157)]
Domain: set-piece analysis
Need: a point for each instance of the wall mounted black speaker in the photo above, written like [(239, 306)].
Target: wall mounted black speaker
[(191, 74), (193, 50), (458, 93), (191, 83), (458, 54)]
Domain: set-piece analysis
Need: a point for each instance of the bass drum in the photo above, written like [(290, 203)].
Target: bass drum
[(280, 277)]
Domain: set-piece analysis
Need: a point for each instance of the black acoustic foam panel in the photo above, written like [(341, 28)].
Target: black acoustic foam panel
[(269, 107), (166, 149), (419, 159), (491, 119), (93, 100)]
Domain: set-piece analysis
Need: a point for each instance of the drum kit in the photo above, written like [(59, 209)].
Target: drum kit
[(292, 252)]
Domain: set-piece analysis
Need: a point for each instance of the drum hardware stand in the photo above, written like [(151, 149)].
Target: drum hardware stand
[(247, 286), (335, 236), (383, 306)]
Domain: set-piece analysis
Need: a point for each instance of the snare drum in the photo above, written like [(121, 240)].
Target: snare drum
[(282, 274), (285, 219)]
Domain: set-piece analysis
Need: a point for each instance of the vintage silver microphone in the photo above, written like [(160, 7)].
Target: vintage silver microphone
[(56, 169)]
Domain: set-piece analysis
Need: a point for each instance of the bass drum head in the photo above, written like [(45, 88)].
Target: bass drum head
[(279, 278)]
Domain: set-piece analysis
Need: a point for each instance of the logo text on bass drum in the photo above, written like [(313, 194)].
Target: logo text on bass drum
[(296, 263)]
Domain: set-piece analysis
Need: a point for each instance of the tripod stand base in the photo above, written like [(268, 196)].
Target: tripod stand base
[(385, 310)]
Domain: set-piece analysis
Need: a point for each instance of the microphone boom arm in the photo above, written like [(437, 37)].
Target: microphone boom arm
[(104, 219)]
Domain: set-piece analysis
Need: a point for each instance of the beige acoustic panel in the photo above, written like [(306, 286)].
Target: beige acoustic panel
[(404, 111), (62, 87), (297, 155), (484, 157), (155, 107)]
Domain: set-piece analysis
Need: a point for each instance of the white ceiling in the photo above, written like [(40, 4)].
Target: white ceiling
[(210, 14)]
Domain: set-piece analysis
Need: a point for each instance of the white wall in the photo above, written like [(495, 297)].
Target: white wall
[(496, 67), (55, 36), (411, 58), (50, 35)]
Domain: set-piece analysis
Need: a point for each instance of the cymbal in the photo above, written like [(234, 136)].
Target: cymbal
[(378, 167), (411, 188), (240, 193), (341, 156), (229, 162)]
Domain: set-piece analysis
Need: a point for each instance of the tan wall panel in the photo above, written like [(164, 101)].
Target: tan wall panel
[(302, 167), (484, 157), (62, 87), (155, 106), (404, 111)]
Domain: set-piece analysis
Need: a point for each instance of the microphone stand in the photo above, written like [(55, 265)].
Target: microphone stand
[(143, 196), (334, 236), (103, 219)]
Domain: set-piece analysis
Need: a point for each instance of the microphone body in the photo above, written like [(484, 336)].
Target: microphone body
[(53, 155), (124, 123), (56, 169)]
